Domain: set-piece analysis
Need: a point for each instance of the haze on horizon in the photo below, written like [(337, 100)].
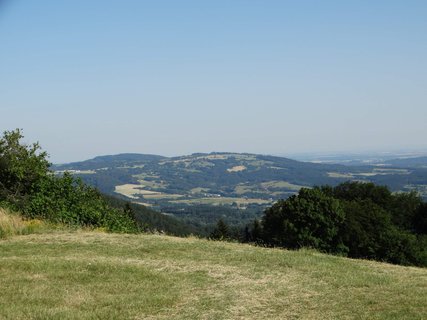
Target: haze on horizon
[(88, 78)]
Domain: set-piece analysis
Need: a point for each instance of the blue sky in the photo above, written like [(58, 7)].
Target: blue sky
[(175, 77)]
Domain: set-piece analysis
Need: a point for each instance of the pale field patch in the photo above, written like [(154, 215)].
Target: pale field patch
[(340, 175), (223, 200), (237, 169), (281, 185), (383, 172), (76, 171), (133, 191), (199, 190), (242, 189), (166, 196)]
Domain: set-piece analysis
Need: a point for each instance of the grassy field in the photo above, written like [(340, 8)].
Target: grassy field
[(90, 275)]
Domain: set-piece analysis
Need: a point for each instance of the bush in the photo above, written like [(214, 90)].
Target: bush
[(309, 219), (68, 200), (27, 185)]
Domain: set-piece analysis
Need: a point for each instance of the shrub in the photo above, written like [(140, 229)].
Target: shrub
[(309, 219)]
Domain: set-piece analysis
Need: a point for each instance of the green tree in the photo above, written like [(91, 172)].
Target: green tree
[(420, 219), (27, 184), (355, 190), (309, 219), (21, 167), (221, 231)]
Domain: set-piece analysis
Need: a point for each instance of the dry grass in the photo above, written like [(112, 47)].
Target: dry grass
[(13, 224), (88, 275)]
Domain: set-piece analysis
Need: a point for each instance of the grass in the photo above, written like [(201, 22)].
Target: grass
[(13, 224), (90, 275), (281, 185)]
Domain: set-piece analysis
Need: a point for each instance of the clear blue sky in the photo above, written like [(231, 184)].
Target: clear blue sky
[(175, 77)]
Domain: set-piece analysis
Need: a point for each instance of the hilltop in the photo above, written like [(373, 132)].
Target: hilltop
[(87, 275)]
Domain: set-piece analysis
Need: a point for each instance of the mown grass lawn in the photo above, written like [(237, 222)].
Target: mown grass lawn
[(90, 275)]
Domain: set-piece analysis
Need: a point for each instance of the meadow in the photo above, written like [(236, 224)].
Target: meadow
[(96, 275)]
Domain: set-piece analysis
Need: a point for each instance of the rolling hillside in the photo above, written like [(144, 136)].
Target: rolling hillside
[(90, 275), (232, 179)]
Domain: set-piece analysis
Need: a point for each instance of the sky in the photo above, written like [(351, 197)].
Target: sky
[(88, 78)]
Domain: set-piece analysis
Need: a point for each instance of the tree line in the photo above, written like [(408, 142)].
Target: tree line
[(353, 219), (28, 185)]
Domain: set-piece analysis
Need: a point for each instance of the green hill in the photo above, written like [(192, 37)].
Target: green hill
[(201, 188), (90, 275), (226, 178)]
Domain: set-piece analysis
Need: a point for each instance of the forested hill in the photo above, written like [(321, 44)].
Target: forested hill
[(228, 178), (414, 162)]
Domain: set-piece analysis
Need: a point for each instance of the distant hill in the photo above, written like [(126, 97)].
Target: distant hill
[(416, 162), (234, 179), (110, 161)]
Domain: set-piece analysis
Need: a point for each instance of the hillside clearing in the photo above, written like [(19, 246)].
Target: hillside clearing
[(237, 169), (90, 275)]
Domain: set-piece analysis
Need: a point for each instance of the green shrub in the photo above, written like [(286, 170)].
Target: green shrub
[(309, 219), (27, 185)]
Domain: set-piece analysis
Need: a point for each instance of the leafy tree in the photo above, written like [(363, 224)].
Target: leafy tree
[(309, 219), (21, 167), (355, 190), (420, 219), (403, 208), (254, 232), (365, 229), (27, 184), (221, 231)]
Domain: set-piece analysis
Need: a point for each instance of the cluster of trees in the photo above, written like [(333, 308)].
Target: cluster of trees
[(28, 185), (354, 219)]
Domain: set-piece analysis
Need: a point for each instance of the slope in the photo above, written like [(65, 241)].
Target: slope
[(89, 275)]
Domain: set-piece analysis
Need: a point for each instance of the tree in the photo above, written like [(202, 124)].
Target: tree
[(366, 228), (420, 219), (27, 184), (221, 231), (21, 167), (309, 219), (355, 190)]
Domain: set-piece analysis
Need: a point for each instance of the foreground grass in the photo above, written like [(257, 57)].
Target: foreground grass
[(90, 275), (12, 223)]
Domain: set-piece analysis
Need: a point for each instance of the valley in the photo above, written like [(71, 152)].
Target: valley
[(237, 186)]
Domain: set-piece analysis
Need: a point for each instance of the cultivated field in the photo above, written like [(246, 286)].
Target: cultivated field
[(90, 275)]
